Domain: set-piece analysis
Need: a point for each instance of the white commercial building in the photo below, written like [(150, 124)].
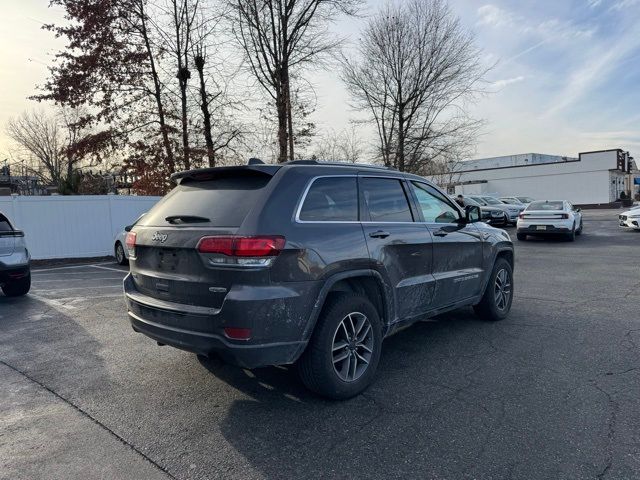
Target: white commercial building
[(593, 178)]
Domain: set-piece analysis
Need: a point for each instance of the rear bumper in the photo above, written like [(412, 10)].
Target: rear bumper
[(548, 230), (8, 275), (276, 317)]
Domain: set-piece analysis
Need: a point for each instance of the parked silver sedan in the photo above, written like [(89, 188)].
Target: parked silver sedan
[(119, 250), (512, 210)]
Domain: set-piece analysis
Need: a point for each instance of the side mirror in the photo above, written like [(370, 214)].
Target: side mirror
[(128, 228), (472, 213), (578, 209)]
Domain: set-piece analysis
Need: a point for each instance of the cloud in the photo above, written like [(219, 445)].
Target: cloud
[(549, 29), (594, 3), (500, 84), (495, 16), (622, 4)]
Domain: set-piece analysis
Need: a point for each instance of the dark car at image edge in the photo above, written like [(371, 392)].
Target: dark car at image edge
[(310, 263)]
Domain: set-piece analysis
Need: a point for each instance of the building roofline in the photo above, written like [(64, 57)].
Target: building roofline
[(569, 160)]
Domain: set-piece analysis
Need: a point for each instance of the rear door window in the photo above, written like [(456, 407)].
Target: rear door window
[(386, 200), (223, 202), (331, 199)]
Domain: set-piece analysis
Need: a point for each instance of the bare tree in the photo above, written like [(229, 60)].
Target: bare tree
[(417, 69), (40, 141), (54, 147), (220, 132), (346, 146), (278, 37)]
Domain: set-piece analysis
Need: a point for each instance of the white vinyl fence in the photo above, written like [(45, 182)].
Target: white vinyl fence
[(73, 226)]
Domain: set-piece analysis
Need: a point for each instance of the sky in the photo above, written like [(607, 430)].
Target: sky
[(566, 77)]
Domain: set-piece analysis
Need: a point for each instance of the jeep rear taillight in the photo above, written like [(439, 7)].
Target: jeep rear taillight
[(263, 246), (242, 251), (130, 242)]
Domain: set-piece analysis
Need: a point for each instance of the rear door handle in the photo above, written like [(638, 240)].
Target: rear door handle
[(379, 234), (440, 233)]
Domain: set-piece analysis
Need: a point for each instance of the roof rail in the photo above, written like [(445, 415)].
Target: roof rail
[(338, 164)]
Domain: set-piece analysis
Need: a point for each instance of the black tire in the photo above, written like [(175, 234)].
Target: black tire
[(488, 308), (579, 231), (316, 366), (18, 287), (119, 254), (521, 236), (571, 237)]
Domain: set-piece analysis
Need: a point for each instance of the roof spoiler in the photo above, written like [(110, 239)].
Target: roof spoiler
[(203, 174)]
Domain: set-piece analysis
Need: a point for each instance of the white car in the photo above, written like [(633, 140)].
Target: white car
[(630, 218), (550, 217), (119, 250)]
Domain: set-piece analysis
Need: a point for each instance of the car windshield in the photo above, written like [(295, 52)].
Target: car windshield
[(546, 206), (525, 199), (492, 201), (470, 201)]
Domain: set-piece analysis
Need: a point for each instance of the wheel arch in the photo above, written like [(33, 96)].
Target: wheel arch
[(367, 281)]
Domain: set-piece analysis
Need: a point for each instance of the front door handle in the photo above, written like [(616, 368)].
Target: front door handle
[(440, 233), (379, 234)]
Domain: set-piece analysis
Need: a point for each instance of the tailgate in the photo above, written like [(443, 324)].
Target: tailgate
[(167, 264)]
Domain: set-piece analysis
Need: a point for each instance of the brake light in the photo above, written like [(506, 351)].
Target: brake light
[(130, 242), (564, 216), (260, 246), (521, 216)]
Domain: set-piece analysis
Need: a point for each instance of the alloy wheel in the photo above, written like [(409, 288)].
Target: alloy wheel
[(352, 346), (119, 253), (502, 289)]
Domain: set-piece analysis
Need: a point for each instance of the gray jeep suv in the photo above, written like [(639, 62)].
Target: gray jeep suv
[(15, 272), (310, 263)]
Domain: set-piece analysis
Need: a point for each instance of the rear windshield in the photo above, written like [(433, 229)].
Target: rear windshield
[(492, 201), (5, 226), (546, 206), (223, 202)]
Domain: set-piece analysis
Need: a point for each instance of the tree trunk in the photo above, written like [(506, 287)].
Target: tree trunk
[(287, 92), (157, 93), (281, 106), (206, 114), (183, 75)]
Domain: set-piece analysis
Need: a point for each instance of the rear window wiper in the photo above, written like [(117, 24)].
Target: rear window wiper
[(178, 219)]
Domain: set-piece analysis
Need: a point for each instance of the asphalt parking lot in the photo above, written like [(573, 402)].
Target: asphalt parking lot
[(551, 392)]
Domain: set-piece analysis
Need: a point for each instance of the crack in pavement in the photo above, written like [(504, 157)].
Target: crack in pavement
[(90, 417)]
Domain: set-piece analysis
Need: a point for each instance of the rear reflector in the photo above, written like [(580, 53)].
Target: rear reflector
[(262, 246), (237, 333)]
